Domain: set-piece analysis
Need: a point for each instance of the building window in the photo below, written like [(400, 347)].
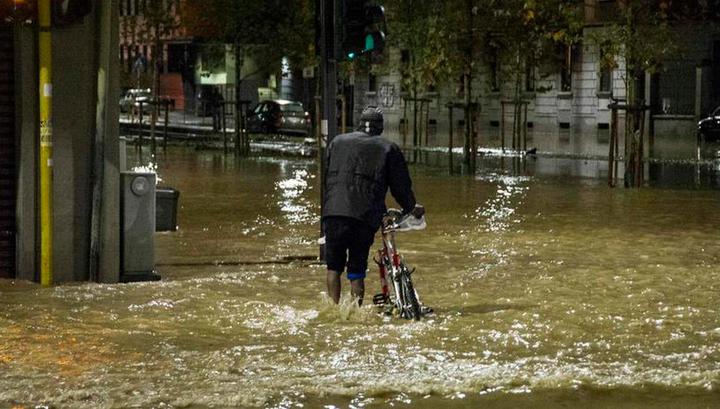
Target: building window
[(566, 68), (606, 10), (715, 71), (131, 7), (405, 57), (529, 76), (372, 83), (605, 73), (494, 65), (404, 63)]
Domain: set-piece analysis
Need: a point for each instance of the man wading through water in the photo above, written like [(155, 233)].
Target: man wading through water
[(361, 167)]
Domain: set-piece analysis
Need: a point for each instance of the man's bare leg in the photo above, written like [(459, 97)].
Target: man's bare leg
[(357, 289), (333, 285)]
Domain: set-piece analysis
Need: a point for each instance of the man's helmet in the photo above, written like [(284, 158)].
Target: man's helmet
[(371, 120)]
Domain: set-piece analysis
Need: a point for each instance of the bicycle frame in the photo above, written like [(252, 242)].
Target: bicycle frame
[(388, 262), (392, 268)]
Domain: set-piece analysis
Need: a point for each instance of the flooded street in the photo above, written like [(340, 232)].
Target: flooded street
[(548, 292)]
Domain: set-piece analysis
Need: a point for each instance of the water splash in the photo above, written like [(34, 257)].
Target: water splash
[(151, 167)]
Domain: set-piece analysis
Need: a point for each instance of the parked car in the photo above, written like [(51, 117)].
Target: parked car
[(134, 97), (279, 116), (709, 127)]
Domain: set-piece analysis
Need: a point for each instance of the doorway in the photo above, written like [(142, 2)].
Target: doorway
[(8, 155)]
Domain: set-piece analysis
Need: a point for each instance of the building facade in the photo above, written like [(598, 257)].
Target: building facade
[(189, 67), (567, 104)]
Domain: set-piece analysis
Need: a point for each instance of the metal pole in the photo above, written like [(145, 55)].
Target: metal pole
[(502, 125), (46, 140), (225, 141), (525, 127), (421, 124), (328, 67), (698, 109), (473, 135), (238, 95), (153, 119), (167, 119), (466, 114), (140, 130), (405, 123), (450, 140), (641, 151), (243, 126), (427, 123), (415, 127), (238, 147), (617, 151), (318, 119), (611, 153), (343, 114), (515, 125)]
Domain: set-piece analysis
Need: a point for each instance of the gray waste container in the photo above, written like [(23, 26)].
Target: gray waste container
[(138, 226), (166, 201)]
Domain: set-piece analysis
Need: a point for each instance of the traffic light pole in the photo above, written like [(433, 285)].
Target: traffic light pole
[(46, 139), (328, 68), (328, 65)]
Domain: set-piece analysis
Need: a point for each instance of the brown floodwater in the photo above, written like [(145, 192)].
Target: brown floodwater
[(549, 292)]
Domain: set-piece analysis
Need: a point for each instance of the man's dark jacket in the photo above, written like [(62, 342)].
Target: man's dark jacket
[(360, 169)]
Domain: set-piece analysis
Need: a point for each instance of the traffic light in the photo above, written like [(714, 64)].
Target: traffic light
[(18, 11), (363, 25), (68, 12), (64, 12)]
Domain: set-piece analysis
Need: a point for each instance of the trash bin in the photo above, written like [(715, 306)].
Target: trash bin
[(166, 200), (137, 226)]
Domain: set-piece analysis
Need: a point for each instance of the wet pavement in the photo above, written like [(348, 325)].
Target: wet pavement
[(549, 291)]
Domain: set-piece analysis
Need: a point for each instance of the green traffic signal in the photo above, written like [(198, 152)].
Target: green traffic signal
[(369, 46), (363, 22), (369, 43)]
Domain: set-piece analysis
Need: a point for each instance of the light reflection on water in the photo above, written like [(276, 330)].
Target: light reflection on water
[(548, 292)]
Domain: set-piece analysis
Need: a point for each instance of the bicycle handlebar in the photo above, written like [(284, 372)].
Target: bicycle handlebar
[(395, 220)]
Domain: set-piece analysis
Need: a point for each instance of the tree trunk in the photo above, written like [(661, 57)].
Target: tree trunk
[(467, 79), (612, 147), (517, 115), (450, 138), (405, 124), (466, 112), (633, 153), (502, 125), (415, 123)]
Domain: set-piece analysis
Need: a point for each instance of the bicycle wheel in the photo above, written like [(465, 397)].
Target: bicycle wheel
[(410, 304)]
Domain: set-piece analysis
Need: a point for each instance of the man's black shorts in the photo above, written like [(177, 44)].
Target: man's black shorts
[(347, 243)]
